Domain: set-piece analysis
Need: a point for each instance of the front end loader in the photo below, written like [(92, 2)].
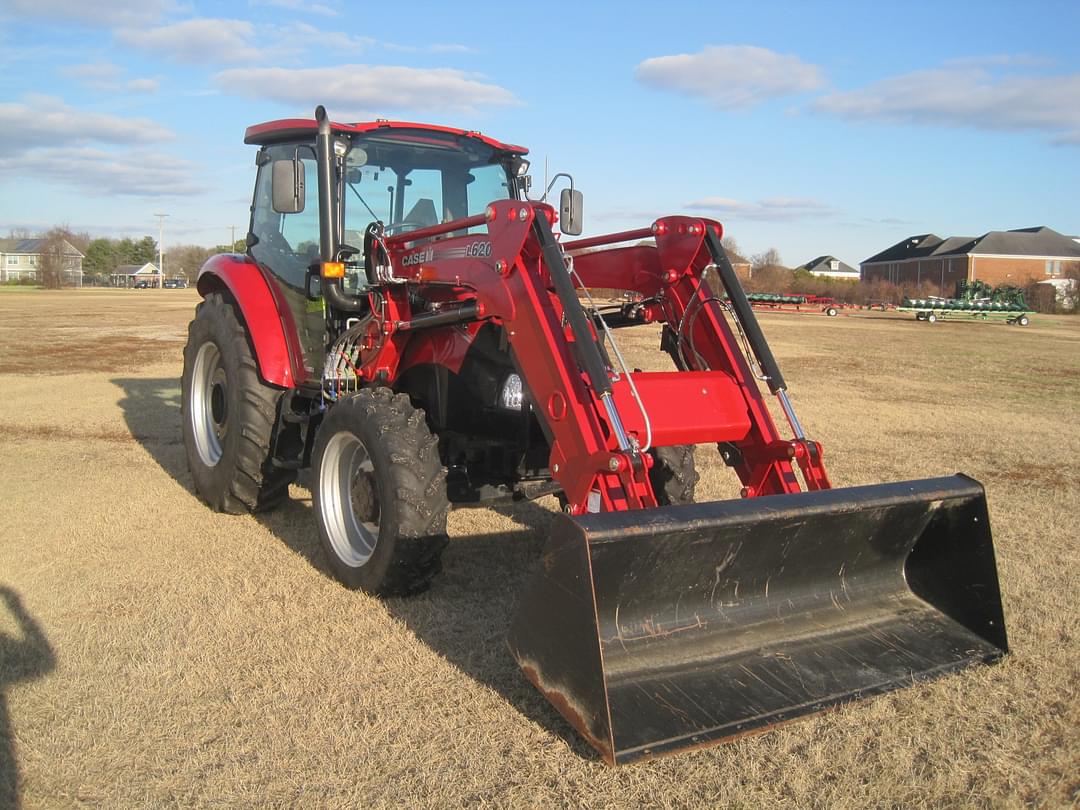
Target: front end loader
[(414, 332)]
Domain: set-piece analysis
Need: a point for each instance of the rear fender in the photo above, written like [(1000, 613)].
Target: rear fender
[(265, 321)]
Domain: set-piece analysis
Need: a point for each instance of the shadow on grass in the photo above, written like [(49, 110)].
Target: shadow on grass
[(466, 614), (23, 657)]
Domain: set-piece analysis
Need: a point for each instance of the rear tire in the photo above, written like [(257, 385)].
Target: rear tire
[(832, 312), (931, 318), (1023, 320), (379, 494), (228, 415), (673, 475)]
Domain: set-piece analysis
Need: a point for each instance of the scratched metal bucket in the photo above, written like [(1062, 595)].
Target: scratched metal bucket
[(653, 631)]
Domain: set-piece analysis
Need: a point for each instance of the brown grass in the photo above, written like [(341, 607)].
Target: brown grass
[(191, 658)]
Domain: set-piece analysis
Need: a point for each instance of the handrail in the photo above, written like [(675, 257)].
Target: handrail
[(608, 239), (401, 239)]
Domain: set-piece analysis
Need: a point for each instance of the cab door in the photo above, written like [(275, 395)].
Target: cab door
[(286, 246)]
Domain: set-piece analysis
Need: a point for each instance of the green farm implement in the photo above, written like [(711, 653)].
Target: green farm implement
[(974, 301)]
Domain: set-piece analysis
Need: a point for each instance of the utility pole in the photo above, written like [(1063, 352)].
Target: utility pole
[(232, 238), (161, 250)]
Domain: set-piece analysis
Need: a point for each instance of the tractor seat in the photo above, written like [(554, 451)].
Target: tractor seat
[(423, 213)]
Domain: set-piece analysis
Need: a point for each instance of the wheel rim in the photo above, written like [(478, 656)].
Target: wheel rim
[(209, 404), (349, 499)]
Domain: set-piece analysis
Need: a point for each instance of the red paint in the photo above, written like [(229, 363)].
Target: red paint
[(241, 276), (286, 128)]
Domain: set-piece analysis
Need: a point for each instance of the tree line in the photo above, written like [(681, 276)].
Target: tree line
[(103, 255)]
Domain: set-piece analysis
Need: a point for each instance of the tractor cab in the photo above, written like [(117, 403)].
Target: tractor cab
[(402, 176)]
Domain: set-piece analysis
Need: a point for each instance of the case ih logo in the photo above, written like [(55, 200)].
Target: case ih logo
[(474, 250), (421, 256)]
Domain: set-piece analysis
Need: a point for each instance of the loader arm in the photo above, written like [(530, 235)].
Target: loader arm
[(701, 338), (598, 420), (511, 280)]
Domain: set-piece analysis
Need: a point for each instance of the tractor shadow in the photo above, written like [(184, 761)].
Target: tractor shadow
[(464, 617), (24, 656)]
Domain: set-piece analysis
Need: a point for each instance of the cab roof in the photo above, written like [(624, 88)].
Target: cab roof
[(289, 128)]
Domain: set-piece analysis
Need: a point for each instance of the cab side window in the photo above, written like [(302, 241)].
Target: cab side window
[(286, 244)]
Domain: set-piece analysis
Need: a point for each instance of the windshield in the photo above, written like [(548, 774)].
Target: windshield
[(411, 179)]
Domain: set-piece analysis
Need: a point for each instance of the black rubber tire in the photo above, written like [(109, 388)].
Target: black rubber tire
[(243, 479), (673, 476), (1023, 320), (410, 485)]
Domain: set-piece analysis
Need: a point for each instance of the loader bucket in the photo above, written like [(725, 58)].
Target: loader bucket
[(656, 630)]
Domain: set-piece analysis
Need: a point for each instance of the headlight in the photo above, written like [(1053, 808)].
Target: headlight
[(512, 394)]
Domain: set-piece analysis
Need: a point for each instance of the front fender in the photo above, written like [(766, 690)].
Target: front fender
[(241, 277)]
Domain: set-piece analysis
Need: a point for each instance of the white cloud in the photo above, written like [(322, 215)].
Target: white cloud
[(436, 47), (143, 85), (93, 71), (101, 76), (731, 76), (291, 39), (367, 88), (105, 77), (106, 174), (298, 5), (44, 119), (998, 60), (771, 209), (196, 41), (103, 13), (204, 41), (967, 96)]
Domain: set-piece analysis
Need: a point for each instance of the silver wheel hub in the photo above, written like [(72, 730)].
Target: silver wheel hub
[(349, 499), (209, 404)]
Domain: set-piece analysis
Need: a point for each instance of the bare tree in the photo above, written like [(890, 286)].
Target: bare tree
[(731, 247), (57, 254), (765, 261)]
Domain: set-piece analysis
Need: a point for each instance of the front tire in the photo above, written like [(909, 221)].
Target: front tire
[(380, 494), (228, 415), (673, 475)]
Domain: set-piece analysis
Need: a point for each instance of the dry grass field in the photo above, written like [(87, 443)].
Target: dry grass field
[(153, 653)]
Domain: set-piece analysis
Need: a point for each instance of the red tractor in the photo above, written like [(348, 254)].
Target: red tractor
[(406, 324)]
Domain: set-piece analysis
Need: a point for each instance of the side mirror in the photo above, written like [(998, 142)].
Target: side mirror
[(570, 205), (287, 186)]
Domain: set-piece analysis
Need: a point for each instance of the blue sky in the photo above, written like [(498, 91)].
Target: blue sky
[(810, 127)]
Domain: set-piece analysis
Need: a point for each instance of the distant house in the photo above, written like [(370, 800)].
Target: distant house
[(131, 275), (997, 257), (20, 260), (830, 267)]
